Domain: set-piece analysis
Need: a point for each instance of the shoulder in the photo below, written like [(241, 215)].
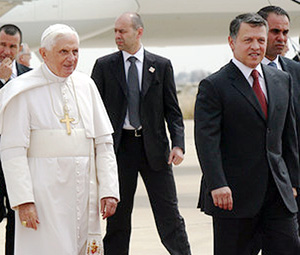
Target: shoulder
[(109, 57), (271, 71), (222, 74), (290, 66), (155, 57), (216, 83), (82, 77), (289, 62), (22, 69)]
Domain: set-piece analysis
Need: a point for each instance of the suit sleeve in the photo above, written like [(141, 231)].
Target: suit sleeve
[(208, 118), (290, 151), (173, 113), (98, 77)]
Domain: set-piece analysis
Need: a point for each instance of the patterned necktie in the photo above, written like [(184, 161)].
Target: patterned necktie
[(133, 94), (259, 93), (273, 64)]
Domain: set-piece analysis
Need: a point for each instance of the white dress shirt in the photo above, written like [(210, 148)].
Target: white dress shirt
[(246, 71), (266, 61)]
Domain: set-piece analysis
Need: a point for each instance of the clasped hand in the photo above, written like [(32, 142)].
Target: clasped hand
[(6, 69)]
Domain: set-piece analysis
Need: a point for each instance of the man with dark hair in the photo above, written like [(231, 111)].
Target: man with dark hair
[(246, 142), (279, 25), (138, 91), (10, 46)]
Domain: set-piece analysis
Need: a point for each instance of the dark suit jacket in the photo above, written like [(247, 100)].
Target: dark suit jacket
[(20, 70), (293, 68), (238, 147), (158, 103)]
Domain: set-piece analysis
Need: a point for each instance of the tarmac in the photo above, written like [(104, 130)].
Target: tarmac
[(144, 238)]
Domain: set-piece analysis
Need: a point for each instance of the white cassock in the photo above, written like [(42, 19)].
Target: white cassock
[(57, 171)]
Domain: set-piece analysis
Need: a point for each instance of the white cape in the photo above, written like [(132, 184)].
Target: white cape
[(60, 186)]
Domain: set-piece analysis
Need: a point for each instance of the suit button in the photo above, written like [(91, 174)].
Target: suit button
[(268, 130)]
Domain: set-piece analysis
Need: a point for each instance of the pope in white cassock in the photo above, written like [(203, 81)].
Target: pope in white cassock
[(57, 153)]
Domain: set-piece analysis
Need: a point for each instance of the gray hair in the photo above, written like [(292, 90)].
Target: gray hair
[(54, 32), (252, 19)]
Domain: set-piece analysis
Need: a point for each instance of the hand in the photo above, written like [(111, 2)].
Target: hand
[(6, 69), (108, 207), (176, 156), (222, 198), (295, 192), (28, 213)]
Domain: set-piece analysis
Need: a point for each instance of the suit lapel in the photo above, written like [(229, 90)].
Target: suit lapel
[(20, 69), (147, 77), (148, 72), (119, 72), (242, 85), (272, 90), (283, 64)]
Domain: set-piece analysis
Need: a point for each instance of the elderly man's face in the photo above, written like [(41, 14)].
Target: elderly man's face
[(9, 45), (63, 57)]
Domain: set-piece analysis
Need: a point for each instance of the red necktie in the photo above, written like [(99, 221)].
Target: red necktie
[(259, 93)]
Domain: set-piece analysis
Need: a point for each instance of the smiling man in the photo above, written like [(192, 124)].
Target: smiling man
[(245, 137), (58, 160)]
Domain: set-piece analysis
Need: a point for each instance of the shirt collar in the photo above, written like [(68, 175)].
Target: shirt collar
[(266, 61), (139, 54), (50, 76), (246, 70), (14, 69)]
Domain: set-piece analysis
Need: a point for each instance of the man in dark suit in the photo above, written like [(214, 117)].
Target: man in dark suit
[(297, 56), (279, 24), (10, 46), (246, 142), (139, 95)]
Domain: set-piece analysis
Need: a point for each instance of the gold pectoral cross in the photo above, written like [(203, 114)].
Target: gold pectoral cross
[(67, 120)]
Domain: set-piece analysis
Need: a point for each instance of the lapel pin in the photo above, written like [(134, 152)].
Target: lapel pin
[(152, 69)]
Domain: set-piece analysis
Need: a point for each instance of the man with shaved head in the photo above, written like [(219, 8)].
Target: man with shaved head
[(139, 93)]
